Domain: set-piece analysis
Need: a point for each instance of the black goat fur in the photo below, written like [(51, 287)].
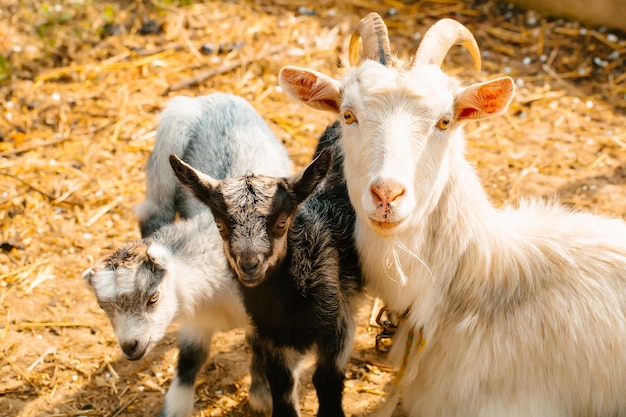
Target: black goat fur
[(306, 299)]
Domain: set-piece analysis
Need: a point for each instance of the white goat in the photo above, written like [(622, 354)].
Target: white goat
[(179, 269), (512, 312)]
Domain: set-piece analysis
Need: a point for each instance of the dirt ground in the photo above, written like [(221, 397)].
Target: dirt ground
[(82, 83)]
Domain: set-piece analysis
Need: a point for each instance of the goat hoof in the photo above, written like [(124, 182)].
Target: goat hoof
[(260, 399)]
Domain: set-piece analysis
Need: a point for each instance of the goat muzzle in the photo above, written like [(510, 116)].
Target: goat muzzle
[(386, 195), (250, 270), (387, 191), (133, 349)]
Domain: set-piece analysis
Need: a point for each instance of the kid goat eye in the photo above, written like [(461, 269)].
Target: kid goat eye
[(154, 298)]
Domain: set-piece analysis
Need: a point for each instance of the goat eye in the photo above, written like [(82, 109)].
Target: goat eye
[(281, 224), (349, 117), (220, 226), (154, 298), (443, 123)]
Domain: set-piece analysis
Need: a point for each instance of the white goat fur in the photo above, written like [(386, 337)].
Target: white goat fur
[(523, 309), (183, 261)]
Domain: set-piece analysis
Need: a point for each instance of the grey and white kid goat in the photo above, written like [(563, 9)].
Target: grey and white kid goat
[(290, 242), (219, 133), (178, 270), (512, 312)]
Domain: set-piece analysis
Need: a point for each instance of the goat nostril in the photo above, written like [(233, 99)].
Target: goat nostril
[(386, 191), (376, 194), (130, 347), (396, 193), (249, 265)]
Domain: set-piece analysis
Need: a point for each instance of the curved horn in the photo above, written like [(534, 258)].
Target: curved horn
[(442, 36), (375, 40)]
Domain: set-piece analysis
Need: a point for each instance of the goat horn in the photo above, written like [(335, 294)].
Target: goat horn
[(442, 36), (375, 40)]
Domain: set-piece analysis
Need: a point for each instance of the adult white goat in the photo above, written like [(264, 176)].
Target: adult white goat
[(513, 312)]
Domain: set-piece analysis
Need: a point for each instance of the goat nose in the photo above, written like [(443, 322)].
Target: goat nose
[(386, 191), (249, 264), (130, 347)]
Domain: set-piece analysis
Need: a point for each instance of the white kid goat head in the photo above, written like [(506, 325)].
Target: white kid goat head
[(401, 126), (137, 293)]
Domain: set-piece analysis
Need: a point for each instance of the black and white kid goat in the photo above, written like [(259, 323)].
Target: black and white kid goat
[(290, 242), (178, 270)]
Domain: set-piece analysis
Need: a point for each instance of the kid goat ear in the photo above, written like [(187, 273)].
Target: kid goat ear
[(200, 184), (88, 275), (305, 181)]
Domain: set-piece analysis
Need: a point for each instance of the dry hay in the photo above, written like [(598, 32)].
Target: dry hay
[(86, 82)]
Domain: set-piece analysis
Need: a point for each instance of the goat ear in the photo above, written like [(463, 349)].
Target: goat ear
[(159, 255), (88, 275), (200, 184), (304, 182), (482, 100), (310, 87)]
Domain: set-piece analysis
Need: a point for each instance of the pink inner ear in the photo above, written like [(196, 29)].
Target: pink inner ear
[(315, 90), (490, 98), (484, 100), (307, 87), (300, 82), (467, 112)]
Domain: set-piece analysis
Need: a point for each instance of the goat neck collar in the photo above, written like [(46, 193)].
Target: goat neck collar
[(389, 323)]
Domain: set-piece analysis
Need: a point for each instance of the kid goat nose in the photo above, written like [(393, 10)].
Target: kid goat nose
[(130, 346), (249, 264), (386, 191)]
